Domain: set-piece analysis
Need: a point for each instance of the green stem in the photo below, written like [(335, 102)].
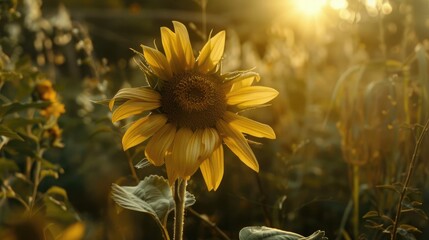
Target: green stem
[(132, 168), (179, 213), (204, 18), (411, 167), (209, 223), (35, 183), (356, 201), (164, 231)]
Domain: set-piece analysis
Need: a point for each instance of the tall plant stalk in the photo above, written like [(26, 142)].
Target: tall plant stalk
[(355, 201), (410, 172), (179, 213)]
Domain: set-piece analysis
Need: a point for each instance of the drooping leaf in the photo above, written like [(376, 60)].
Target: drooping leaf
[(406, 234), (47, 165), (14, 123), (7, 165), (152, 195), (266, 233), (7, 132), (57, 205), (16, 107), (371, 214), (409, 228)]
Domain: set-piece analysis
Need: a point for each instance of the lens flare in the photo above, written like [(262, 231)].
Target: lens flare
[(309, 7)]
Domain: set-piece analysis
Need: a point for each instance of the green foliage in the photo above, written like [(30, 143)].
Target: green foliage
[(266, 233), (152, 195)]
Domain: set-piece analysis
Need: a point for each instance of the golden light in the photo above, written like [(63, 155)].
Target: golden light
[(338, 4), (371, 3), (309, 7)]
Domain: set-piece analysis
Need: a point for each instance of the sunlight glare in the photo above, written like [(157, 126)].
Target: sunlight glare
[(371, 3), (338, 4), (309, 7)]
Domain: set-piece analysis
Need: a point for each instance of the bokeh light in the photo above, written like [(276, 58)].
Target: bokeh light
[(338, 4), (309, 7)]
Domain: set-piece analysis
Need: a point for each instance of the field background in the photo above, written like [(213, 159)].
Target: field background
[(353, 82)]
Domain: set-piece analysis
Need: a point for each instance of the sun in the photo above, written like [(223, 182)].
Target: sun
[(309, 7)]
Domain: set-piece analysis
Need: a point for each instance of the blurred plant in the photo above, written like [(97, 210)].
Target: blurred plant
[(30, 108), (377, 101), (29, 128)]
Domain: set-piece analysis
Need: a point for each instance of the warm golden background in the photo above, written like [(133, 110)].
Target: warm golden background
[(353, 79)]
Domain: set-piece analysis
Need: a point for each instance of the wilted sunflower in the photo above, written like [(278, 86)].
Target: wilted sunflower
[(192, 108)]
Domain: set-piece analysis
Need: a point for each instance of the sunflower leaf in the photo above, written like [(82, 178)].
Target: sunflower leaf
[(152, 195), (266, 233)]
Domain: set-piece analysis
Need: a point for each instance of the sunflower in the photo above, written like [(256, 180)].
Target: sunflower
[(191, 108)]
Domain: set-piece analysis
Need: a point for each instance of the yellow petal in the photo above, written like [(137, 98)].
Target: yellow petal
[(184, 48), (249, 126), (244, 80), (211, 53), (158, 62), (172, 173), (251, 96), (142, 129), (168, 39), (193, 154), (212, 169), (144, 94), (209, 141), (159, 144), (133, 107), (238, 144), (182, 161)]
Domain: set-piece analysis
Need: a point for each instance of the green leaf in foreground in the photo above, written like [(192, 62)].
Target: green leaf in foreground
[(7, 132), (266, 233), (152, 195), (16, 107)]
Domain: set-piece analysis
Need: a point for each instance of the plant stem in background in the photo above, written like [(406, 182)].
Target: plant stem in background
[(164, 231), (410, 172), (268, 221), (36, 182), (204, 17), (179, 213), (132, 168), (210, 223), (355, 201)]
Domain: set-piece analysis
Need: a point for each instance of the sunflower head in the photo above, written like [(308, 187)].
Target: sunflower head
[(191, 109)]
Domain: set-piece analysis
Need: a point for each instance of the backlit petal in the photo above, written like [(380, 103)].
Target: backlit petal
[(212, 169), (159, 144), (211, 53), (249, 126), (133, 107), (169, 44), (172, 171), (244, 80), (184, 45), (251, 96), (185, 153), (158, 62), (144, 94), (238, 144), (209, 141), (193, 154), (142, 129)]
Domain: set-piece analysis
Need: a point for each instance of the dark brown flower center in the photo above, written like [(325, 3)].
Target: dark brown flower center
[(193, 100)]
